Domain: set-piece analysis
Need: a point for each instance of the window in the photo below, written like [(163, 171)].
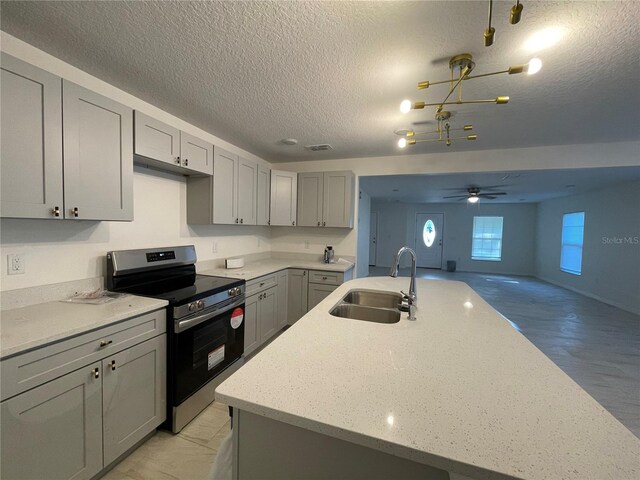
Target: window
[(487, 239), (572, 236)]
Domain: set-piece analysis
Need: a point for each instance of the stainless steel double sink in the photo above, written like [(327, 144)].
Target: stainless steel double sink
[(369, 305)]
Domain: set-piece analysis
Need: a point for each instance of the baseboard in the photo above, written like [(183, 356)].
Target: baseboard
[(626, 308)]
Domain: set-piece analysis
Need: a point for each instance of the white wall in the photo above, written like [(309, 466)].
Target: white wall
[(518, 236), (610, 270), (58, 251), (363, 233)]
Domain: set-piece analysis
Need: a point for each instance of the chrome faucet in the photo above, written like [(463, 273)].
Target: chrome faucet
[(411, 297)]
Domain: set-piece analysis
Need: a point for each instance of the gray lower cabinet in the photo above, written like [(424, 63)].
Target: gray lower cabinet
[(133, 395), (297, 295), (260, 317), (54, 430), (31, 141), (318, 292), (283, 295), (107, 393)]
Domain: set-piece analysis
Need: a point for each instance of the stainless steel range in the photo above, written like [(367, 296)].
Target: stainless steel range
[(205, 322)]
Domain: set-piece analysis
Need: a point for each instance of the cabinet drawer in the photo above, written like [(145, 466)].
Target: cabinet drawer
[(262, 283), (26, 371), (328, 278)]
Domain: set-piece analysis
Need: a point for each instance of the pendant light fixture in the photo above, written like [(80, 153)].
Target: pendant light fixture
[(443, 131), (515, 14)]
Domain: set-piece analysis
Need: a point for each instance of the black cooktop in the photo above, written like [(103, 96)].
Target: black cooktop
[(183, 288)]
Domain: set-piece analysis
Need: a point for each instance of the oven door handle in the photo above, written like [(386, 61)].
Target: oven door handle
[(182, 325)]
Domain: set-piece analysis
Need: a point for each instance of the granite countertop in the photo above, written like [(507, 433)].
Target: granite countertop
[(458, 389), (30, 327), (255, 269)]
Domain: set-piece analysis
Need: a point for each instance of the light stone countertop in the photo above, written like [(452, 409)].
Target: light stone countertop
[(26, 328), (459, 389), (255, 269)]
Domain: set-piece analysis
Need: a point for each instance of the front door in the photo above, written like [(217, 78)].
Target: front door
[(373, 238), (428, 239)]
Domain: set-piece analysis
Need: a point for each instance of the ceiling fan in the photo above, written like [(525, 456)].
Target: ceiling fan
[(473, 194)]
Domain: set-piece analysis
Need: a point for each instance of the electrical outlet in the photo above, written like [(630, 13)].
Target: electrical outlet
[(15, 264), (215, 247), (306, 244)]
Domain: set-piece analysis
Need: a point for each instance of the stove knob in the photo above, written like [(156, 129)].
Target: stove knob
[(200, 304), (238, 291), (192, 307)]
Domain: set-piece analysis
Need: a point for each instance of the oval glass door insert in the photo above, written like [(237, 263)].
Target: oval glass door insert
[(428, 233)]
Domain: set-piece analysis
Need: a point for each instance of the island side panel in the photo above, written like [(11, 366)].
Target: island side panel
[(272, 450)]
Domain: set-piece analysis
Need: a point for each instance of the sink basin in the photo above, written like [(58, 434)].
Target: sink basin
[(371, 298), (370, 314)]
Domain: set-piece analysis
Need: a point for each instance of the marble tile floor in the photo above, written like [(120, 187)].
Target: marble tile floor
[(189, 455), (596, 344)]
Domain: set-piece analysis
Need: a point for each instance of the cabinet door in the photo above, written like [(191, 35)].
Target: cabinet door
[(157, 140), (224, 186), (196, 154), (54, 430), (338, 199), (247, 191), (268, 314), (31, 141), (283, 295), (318, 292), (98, 156), (297, 301), (134, 393), (284, 194), (251, 331), (264, 195), (310, 204)]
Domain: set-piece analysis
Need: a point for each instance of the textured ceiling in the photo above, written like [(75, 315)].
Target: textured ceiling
[(527, 187), (253, 73)]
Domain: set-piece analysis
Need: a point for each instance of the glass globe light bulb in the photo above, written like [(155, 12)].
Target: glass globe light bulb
[(405, 106), (402, 142), (534, 66)]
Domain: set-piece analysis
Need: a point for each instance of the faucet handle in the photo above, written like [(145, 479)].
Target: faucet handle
[(405, 295)]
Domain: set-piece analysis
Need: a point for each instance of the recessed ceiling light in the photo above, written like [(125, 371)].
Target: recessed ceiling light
[(289, 141), (395, 190), (544, 39), (570, 186)]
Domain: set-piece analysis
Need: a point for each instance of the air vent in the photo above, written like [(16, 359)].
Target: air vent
[(319, 148)]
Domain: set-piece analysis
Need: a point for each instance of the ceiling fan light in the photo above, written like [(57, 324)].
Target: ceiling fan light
[(473, 199), (534, 66), (405, 106)]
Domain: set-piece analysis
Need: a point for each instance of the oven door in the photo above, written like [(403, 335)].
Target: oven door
[(204, 345)]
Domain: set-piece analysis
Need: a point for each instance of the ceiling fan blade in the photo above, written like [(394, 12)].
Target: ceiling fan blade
[(488, 197), (492, 187), (492, 193), (456, 196)]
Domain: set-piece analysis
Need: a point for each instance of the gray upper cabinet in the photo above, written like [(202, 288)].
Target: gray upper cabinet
[(162, 146), (196, 154), (264, 195), (326, 199), (31, 141), (98, 156), (225, 185), (310, 188), (284, 197), (247, 189)]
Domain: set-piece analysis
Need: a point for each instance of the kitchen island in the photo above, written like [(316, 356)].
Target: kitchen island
[(456, 393)]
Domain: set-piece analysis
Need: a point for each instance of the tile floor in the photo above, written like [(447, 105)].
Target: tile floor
[(189, 455), (596, 344)]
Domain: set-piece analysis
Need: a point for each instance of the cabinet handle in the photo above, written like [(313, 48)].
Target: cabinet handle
[(237, 220), (304, 273), (104, 343), (75, 211), (178, 160), (324, 278), (268, 222), (186, 162), (55, 211), (113, 365), (293, 223), (261, 284), (324, 224), (96, 372), (242, 220)]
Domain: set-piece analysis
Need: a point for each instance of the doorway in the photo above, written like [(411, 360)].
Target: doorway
[(428, 240), (373, 238)]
